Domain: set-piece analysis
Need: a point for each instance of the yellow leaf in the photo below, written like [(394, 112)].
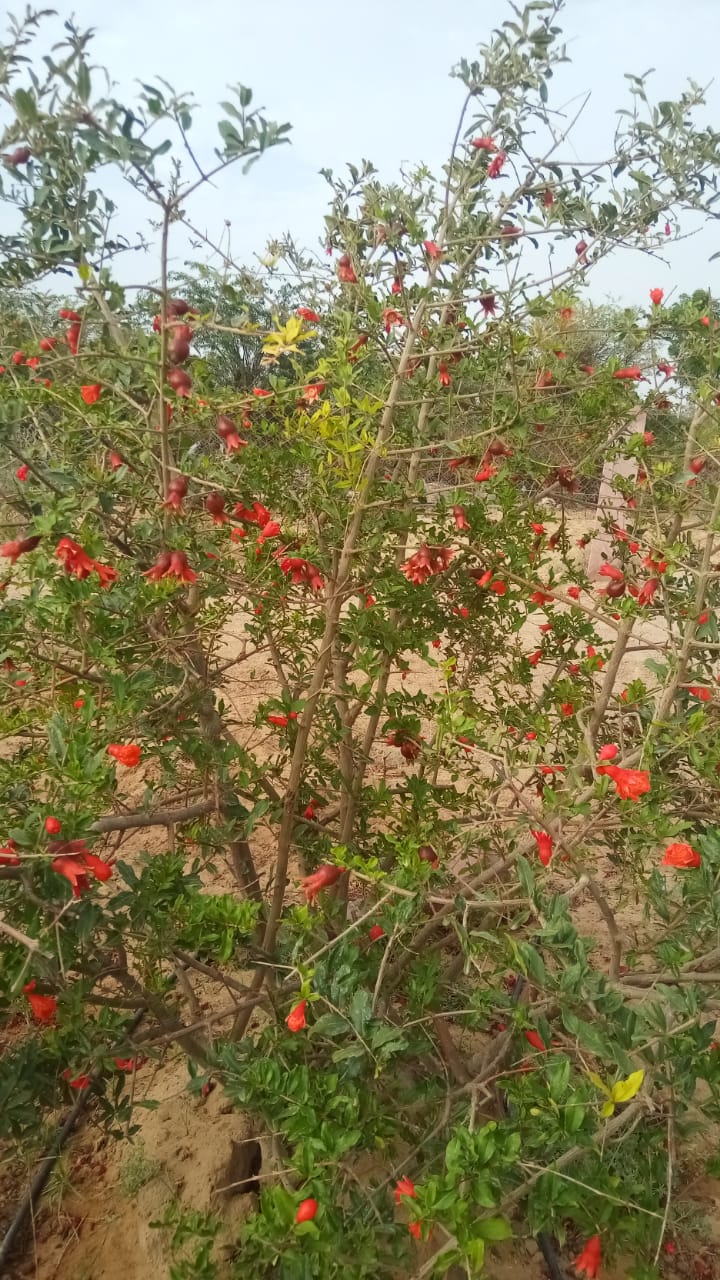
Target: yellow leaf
[(624, 1090), (608, 1109), (599, 1084)]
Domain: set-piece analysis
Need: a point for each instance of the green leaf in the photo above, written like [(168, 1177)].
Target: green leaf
[(25, 106), (83, 82), (330, 1025)]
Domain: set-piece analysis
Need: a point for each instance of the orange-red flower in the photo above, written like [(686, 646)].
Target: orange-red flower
[(228, 431), (432, 250), (700, 691), (257, 514), (76, 1082), (346, 273), (296, 1020), (79, 563), (630, 784), (495, 166), (534, 1038), (610, 571), (127, 753), (392, 317), (483, 144), (608, 752), (443, 374), (587, 1262), (13, 550), (656, 296), (426, 562), (375, 932), (485, 473), (171, 564), (461, 520), (681, 855), (405, 1187), (305, 313), (22, 472), (302, 570), (271, 529), (215, 504), (91, 394), (74, 860), (647, 591), (44, 1008), (177, 490), (632, 373), (323, 878), (545, 846)]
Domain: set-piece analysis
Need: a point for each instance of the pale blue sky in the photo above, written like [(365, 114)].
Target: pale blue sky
[(370, 79)]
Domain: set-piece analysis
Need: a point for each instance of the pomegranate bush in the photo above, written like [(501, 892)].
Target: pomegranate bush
[(434, 993)]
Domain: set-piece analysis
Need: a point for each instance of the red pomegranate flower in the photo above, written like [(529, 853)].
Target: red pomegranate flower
[(271, 529), (127, 753), (22, 473), (305, 313), (483, 144), (405, 1187), (180, 381), (78, 867), (630, 784), (681, 855), (79, 563), (633, 373), (229, 433), (495, 166), (443, 374), (392, 317), (608, 752), (44, 1008), (215, 505), (647, 591), (171, 564), (296, 1020), (346, 272), (13, 550), (257, 514), (426, 562), (432, 250), (177, 490), (587, 1262), (91, 394), (376, 932), (460, 518), (307, 1208), (545, 846), (323, 878), (301, 570), (656, 296), (534, 1038), (72, 337)]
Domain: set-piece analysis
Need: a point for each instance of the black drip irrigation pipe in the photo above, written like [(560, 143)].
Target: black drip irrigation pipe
[(546, 1243), (46, 1166)]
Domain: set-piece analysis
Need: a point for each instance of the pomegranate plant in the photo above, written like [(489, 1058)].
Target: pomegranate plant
[(466, 974)]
